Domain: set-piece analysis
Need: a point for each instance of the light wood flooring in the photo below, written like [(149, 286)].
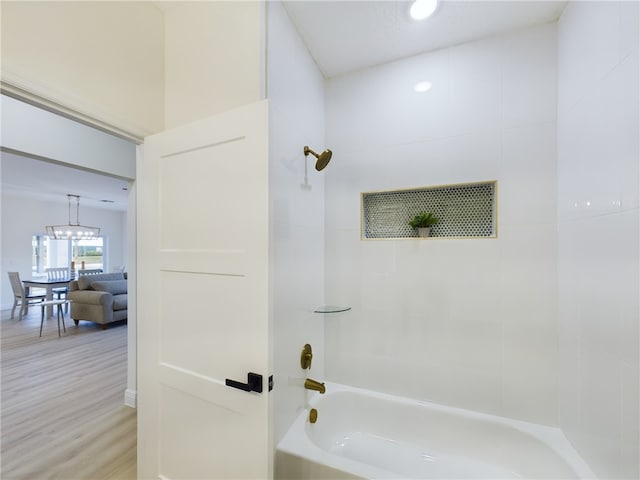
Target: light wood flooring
[(61, 401)]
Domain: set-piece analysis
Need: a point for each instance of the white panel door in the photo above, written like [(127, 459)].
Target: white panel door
[(203, 299)]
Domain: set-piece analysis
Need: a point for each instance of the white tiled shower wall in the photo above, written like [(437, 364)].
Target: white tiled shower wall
[(470, 323), (598, 223), (296, 106)]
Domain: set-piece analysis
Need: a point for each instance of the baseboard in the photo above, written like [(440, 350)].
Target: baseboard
[(130, 397)]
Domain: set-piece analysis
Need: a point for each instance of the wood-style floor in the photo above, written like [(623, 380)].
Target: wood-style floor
[(61, 401)]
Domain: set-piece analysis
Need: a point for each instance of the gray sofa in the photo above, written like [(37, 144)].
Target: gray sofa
[(100, 298)]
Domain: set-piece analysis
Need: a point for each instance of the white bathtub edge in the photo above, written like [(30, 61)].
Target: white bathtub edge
[(305, 448)]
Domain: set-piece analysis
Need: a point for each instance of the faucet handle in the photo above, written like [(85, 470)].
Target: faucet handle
[(313, 415), (306, 356)]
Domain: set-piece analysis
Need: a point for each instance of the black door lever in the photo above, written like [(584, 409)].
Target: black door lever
[(254, 383)]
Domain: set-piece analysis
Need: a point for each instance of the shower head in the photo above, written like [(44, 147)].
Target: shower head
[(323, 159)]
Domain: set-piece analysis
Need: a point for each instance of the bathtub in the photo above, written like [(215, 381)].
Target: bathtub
[(365, 434)]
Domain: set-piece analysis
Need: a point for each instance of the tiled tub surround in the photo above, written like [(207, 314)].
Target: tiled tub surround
[(364, 434), (477, 321), (470, 323), (296, 97), (598, 234)]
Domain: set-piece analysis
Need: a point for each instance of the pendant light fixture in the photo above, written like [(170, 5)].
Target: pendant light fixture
[(73, 231)]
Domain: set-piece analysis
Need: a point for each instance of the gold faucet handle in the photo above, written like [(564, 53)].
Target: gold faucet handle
[(306, 356), (313, 415)]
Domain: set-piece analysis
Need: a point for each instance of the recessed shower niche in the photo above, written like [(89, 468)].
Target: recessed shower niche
[(465, 210)]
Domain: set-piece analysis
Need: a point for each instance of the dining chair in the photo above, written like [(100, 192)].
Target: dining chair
[(89, 271), (20, 297), (59, 273)]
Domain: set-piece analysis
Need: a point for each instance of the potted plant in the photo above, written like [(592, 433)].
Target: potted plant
[(423, 222)]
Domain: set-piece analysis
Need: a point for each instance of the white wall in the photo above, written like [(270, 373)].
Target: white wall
[(172, 62), (213, 57), (23, 217), (296, 100), (104, 59), (470, 323), (598, 241), (63, 140)]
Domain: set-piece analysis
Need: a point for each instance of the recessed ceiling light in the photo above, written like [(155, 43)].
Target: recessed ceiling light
[(422, 87), (422, 9)]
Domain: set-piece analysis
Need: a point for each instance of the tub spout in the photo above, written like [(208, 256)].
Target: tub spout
[(310, 384)]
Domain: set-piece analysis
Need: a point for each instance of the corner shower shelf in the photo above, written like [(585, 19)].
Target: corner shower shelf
[(330, 309)]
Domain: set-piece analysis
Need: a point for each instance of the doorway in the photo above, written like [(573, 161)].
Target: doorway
[(68, 157)]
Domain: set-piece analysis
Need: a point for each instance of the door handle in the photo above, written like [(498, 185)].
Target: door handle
[(254, 383)]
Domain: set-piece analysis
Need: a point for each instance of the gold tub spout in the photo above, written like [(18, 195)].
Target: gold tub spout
[(310, 384)]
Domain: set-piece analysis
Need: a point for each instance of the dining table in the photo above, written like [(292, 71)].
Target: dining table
[(48, 285)]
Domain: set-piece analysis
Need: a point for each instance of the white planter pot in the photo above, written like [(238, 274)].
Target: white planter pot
[(424, 232)]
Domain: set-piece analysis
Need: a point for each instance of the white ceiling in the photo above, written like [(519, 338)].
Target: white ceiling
[(52, 182), (344, 36)]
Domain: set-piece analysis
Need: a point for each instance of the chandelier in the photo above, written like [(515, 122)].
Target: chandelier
[(72, 231)]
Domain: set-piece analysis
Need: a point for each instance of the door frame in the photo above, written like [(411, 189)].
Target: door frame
[(42, 100)]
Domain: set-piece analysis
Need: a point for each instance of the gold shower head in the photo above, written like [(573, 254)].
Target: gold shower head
[(323, 159)]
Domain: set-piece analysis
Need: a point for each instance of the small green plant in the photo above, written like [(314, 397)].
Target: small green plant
[(423, 220)]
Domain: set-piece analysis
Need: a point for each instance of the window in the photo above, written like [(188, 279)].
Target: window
[(47, 252)]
